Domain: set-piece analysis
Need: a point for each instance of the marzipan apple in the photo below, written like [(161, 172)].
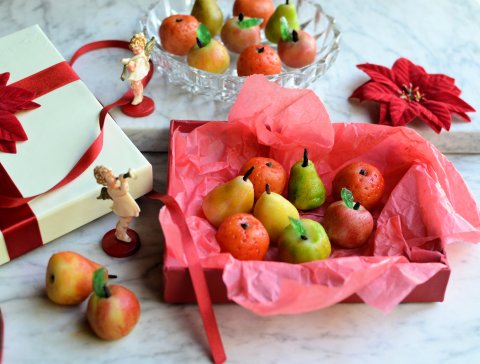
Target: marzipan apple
[(240, 32), (348, 224), (209, 54), (112, 311), (302, 241)]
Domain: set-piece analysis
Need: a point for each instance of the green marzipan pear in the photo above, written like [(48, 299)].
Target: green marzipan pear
[(273, 29), (209, 13), (305, 188)]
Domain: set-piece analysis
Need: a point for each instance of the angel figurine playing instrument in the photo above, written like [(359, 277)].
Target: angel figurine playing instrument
[(124, 206), (138, 66)]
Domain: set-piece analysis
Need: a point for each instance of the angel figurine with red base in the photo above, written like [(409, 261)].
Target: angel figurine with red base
[(121, 241), (138, 67)]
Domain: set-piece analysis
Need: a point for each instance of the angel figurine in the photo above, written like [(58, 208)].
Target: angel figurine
[(124, 206), (138, 66)]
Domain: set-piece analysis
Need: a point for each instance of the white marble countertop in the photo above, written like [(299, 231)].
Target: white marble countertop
[(441, 37)]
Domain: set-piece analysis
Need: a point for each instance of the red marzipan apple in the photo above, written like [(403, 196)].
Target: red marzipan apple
[(298, 52), (348, 224), (236, 37), (178, 33), (113, 311), (259, 59), (364, 180), (266, 171)]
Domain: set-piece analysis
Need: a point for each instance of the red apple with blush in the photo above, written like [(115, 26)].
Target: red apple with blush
[(240, 32), (113, 311), (297, 50), (348, 224)]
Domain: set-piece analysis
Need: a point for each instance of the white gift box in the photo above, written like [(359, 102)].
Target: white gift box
[(59, 133)]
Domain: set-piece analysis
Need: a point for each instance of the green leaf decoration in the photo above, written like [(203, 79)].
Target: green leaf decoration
[(347, 197), (285, 32), (298, 226), (203, 35), (99, 282), (248, 23)]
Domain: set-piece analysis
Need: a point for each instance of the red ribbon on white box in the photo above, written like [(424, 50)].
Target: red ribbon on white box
[(18, 223)]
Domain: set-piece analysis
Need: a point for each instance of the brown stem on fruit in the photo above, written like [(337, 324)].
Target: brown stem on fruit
[(52, 278), (286, 2), (269, 164), (112, 276), (107, 291), (240, 17), (260, 50), (199, 43), (178, 20), (303, 237), (267, 189), (249, 172), (294, 36), (244, 225), (356, 206), (363, 172), (305, 158)]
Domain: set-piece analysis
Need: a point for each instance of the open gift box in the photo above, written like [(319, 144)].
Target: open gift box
[(426, 205)]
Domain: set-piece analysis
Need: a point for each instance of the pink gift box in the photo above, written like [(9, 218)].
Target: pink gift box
[(426, 206)]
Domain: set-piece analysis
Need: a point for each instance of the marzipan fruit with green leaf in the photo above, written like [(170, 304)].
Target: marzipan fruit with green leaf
[(273, 30)]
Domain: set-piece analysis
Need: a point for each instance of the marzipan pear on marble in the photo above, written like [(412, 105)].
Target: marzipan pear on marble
[(69, 278)]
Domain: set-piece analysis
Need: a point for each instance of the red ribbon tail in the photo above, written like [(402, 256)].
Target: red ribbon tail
[(198, 278)]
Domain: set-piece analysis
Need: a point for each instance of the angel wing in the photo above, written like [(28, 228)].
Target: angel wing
[(149, 47), (104, 194)]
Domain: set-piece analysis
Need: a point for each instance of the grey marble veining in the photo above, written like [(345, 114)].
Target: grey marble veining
[(440, 36), (38, 331)]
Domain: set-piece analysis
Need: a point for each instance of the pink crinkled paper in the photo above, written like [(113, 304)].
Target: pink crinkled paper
[(426, 203)]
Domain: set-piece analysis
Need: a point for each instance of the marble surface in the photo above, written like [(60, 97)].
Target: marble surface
[(445, 332), (441, 37)]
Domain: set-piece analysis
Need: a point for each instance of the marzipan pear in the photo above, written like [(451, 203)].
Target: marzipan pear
[(305, 188), (273, 30), (69, 278), (229, 198), (209, 13), (274, 210)]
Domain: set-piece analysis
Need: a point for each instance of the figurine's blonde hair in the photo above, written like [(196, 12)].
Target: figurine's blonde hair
[(99, 173), (138, 40)]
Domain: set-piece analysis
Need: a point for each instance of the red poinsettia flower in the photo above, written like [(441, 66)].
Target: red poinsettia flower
[(407, 91), (12, 100)]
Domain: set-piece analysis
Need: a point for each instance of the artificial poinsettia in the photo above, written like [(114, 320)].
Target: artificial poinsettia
[(407, 91), (12, 100)]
